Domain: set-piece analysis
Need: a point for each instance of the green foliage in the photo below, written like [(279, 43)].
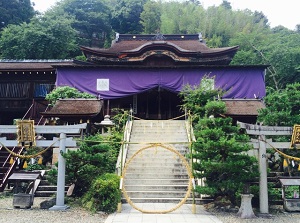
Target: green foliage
[(15, 12), (282, 107), (51, 175), (58, 33), (93, 159), (120, 119), (104, 194), (126, 16), (66, 92), (195, 98), (46, 37), (150, 17), (35, 166), (92, 20), (220, 148), (214, 107)]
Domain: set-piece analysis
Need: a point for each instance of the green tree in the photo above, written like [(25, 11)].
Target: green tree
[(150, 17), (104, 194), (220, 148), (44, 37), (15, 12), (126, 16), (66, 92), (282, 106), (226, 4), (92, 160), (92, 20)]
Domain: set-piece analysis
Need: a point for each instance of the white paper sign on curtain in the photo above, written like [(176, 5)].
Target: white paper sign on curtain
[(102, 84)]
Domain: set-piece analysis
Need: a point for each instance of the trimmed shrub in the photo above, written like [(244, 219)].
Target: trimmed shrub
[(104, 194)]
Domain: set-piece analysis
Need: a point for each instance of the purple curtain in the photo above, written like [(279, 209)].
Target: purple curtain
[(237, 82)]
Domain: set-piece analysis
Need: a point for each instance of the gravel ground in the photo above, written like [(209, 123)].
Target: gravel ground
[(277, 215), (78, 215), (73, 215)]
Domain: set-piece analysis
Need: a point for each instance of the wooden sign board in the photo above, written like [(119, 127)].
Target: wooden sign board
[(25, 133), (295, 141)]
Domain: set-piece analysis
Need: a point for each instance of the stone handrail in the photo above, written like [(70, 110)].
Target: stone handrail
[(124, 148)]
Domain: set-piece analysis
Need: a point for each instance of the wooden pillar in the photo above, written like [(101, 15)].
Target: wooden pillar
[(263, 182), (107, 111)]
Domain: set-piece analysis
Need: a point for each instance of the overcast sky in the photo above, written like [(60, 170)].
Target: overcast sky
[(286, 13)]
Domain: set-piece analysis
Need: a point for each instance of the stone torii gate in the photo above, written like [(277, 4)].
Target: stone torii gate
[(63, 141), (262, 145)]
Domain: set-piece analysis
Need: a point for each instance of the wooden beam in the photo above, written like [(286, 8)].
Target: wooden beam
[(270, 145), (70, 142), (47, 129), (265, 130)]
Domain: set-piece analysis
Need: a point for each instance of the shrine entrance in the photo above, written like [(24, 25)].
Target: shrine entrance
[(156, 103)]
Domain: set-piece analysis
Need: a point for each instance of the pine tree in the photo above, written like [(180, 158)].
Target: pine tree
[(220, 151)]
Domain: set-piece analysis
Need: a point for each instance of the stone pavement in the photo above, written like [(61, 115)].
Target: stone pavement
[(181, 215)]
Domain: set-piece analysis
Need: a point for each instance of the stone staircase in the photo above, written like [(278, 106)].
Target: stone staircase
[(157, 174), (6, 169), (45, 189)]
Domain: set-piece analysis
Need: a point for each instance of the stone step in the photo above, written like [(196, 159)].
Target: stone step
[(168, 200), (153, 155), (141, 164), (148, 160), (45, 194), (156, 123), (154, 187), (48, 188), (155, 176), (178, 147), (153, 150), (148, 132), (182, 181), (160, 135), (156, 194), (159, 127), (159, 170)]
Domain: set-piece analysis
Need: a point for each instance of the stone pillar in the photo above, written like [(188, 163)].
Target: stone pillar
[(246, 210), (60, 193), (263, 181)]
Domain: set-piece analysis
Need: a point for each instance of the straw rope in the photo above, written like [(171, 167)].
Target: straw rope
[(281, 153), (27, 156), (189, 185)]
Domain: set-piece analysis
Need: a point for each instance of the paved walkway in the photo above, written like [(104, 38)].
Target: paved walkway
[(181, 215)]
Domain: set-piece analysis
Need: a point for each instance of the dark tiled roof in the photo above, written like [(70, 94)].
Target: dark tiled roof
[(184, 46), (75, 107), (126, 43), (33, 65), (243, 107)]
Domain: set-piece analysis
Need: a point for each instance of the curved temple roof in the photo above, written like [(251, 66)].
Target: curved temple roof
[(183, 49)]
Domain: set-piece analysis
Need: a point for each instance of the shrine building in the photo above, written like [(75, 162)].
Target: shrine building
[(145, 73)]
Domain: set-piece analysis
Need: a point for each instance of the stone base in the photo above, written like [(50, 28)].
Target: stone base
[(59, 208), (246, 210), (22, 200)]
